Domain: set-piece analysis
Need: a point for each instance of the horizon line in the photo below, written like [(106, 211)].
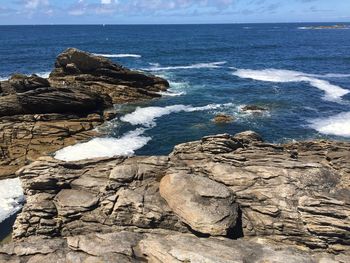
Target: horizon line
[(165, 24)]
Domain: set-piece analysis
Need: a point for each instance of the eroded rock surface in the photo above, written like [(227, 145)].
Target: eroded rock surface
[(76, 67), (39, 116), (267, 202), (166, 246)]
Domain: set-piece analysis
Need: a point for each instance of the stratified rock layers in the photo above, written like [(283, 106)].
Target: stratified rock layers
[(230, 186), (39, 116)]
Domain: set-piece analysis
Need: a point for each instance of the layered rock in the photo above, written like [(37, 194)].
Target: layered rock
[(37, 119), (166, 246), (76, 67), (230, 186), (39, 116)]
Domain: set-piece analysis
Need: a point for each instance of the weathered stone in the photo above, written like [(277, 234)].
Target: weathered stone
[(79, 68), (206, 206)]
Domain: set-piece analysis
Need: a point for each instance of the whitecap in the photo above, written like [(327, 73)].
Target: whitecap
[(11, 197), (338, 125), (126, 145), (332, 92), (193, 66), (147, 116), (170, 93), (42, 74), (118, 55)]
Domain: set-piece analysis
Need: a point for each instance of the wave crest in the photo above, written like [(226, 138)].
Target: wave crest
[(332, 92), (338, 125)]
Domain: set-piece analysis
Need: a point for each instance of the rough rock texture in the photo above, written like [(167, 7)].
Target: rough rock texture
[(76, 67), (296, 194), (40, 116), (223, 118), (166, 246), (206, 206), (36, 119)]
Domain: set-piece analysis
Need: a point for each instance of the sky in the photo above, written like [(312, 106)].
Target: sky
[(30, 12)]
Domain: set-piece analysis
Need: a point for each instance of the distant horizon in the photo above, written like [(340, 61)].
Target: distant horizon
[(165, 24)]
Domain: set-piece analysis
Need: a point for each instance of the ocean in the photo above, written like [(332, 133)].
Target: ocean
[(301, 75)]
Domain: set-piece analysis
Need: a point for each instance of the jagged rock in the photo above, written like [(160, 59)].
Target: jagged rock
[(21, 83), (167, 247), (206, 206), (301, 201), (75, 67), (40, 116)]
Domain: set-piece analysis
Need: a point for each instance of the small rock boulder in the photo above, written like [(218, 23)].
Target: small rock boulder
[(206, 206), (253, 109), (223, 118)]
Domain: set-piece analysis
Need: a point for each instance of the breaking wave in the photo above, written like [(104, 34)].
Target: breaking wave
[(338, 125), (193, 66), (118, 55), (11, 197), (332, 92), (126, 145)]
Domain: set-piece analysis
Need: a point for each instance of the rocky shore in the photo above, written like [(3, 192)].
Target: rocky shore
[(39, 116), (224, 198), (220, 199)]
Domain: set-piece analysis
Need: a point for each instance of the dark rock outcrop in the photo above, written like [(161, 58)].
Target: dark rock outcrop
[(233, 186), (75, 67), (39, 116)]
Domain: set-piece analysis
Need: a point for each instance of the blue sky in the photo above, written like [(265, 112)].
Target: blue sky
[(171, 11)]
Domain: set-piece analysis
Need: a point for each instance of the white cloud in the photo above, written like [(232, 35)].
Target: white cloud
[(35, 4), (106, 2)]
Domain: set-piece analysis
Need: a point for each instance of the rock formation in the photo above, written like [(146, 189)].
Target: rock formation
[(39, 116), (75, 67), (220, 199)]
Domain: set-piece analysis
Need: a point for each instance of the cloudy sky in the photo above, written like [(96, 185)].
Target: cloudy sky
[(171, 11)]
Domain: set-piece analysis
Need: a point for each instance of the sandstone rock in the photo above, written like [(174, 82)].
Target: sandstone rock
[(206, 206), (167, 247), (40, 116), (223, 118), (74, 67), (301, 201)]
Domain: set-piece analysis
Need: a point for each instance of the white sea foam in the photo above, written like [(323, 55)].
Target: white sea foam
[(118, 55), (170, 93), (332, 92), (42, 74), (338, 125), (147, 116), (126, 145), (11, 197), (193, 66)]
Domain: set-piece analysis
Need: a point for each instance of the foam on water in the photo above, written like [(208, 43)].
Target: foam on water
[(42, 74), (332, 92), (147, 116), (126, 145), (193, 66), (118, 55), (338, 125), (11, 197)]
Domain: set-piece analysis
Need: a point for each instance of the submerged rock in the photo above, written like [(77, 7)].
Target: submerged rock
[(223, 118), (253, 109)]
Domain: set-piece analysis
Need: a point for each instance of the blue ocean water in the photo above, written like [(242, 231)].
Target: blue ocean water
[(301, 76)]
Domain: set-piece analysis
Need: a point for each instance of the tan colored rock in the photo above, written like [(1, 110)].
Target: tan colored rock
[(206, 206)]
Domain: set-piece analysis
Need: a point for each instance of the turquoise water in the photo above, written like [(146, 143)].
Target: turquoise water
[(301, 76)]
